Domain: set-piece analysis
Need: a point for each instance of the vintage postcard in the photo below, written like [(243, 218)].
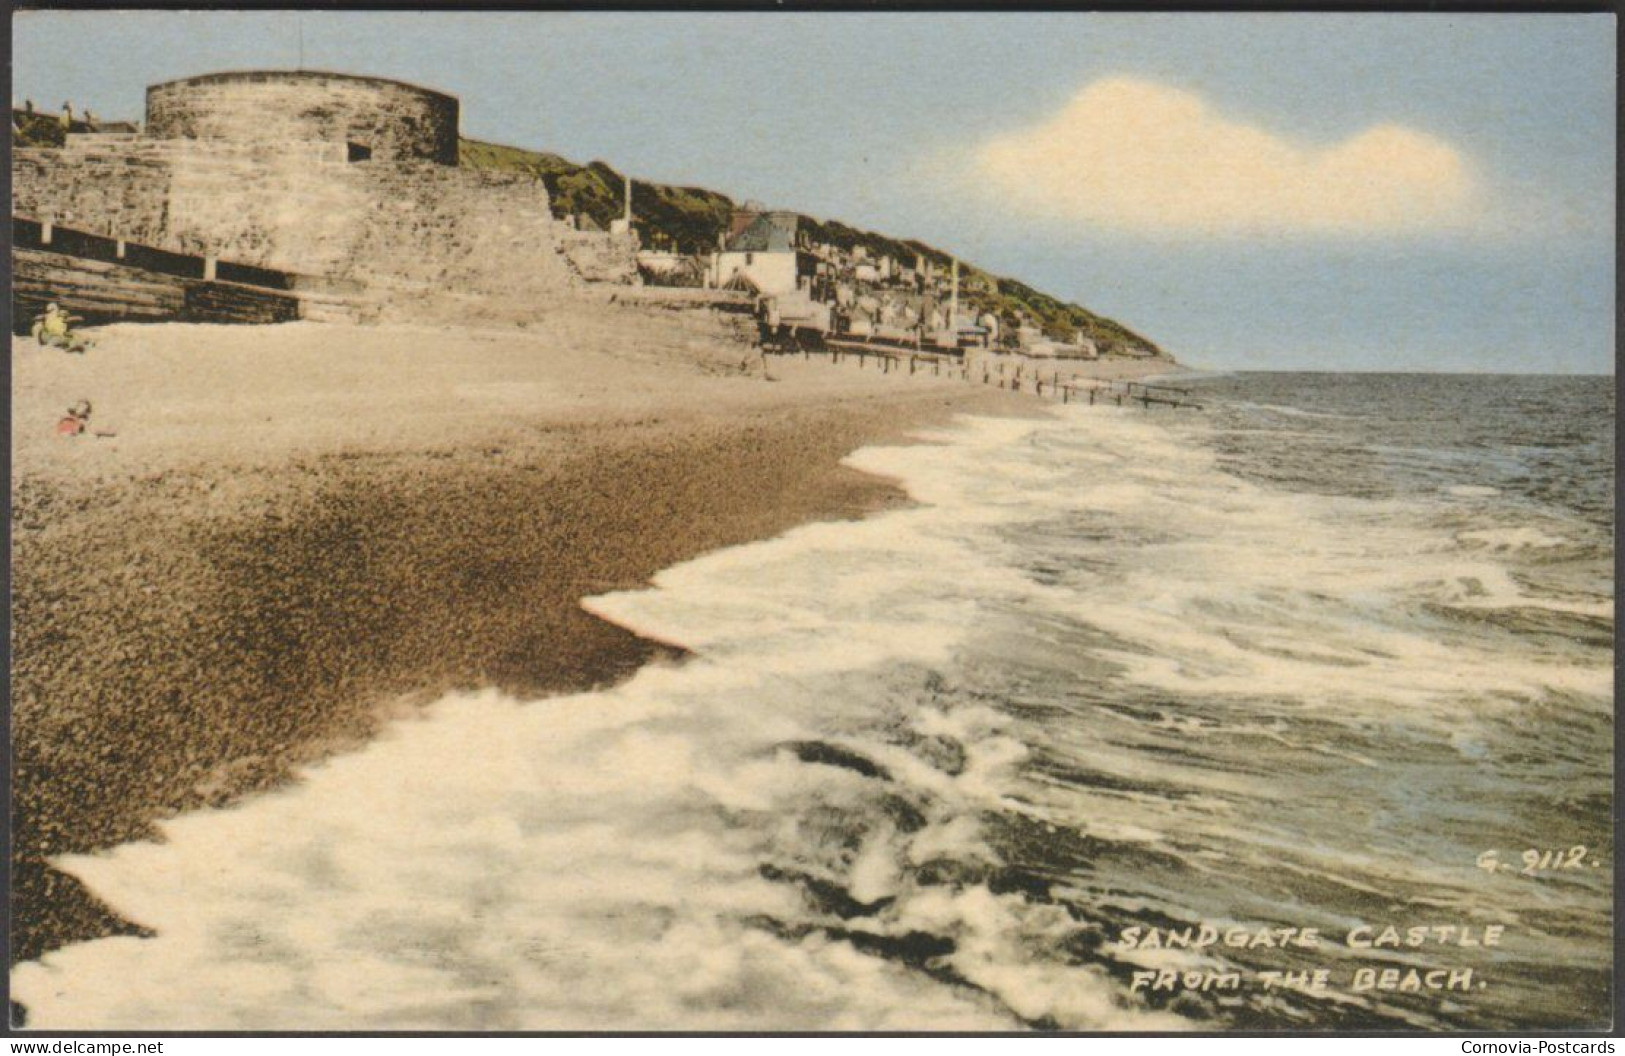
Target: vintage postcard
[(785, 521)]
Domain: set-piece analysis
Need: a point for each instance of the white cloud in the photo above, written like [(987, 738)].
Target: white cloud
[(1132, 154)]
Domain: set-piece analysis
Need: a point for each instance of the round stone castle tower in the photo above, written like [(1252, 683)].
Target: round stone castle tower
[(376, 118)]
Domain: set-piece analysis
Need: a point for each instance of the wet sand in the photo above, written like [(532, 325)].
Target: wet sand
[(296, 532)]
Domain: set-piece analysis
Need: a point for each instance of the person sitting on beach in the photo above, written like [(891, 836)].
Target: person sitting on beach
[(75, 421), (54, 331)]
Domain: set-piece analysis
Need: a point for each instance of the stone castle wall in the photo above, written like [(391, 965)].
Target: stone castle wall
[(259, 204), (260, 169), (393, 121), (293, 208), (122, 194), (600, 258)]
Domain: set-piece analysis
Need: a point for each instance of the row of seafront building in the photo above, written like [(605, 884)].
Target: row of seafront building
[(849, 292)]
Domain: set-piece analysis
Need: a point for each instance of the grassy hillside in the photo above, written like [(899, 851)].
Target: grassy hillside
[(689, 219), (683, 218)]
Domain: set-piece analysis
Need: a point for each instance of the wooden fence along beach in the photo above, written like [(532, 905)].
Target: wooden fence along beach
[(1014, 374)]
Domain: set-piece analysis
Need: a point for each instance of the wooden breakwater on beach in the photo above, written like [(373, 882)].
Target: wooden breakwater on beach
[(1055, 383), (105, 280)]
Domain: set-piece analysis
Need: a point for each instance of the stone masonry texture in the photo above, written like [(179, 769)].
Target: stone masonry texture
[(393, 121), (255, 169)]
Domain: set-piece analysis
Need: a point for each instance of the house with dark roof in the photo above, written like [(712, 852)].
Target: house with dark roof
[(765, 256)]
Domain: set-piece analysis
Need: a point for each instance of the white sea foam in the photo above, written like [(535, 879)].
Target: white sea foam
[(1299, 596), (1297, 412), (494, 865)]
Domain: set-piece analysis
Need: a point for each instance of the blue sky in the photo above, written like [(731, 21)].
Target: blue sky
[(1211, 180)]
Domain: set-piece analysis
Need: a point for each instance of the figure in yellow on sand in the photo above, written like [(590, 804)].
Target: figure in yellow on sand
[(53, 329)]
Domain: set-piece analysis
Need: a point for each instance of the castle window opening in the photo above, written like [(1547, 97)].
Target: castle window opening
[(358, 152)]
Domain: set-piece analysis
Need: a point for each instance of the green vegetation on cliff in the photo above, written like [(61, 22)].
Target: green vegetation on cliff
[(686, 219), (690, 219)]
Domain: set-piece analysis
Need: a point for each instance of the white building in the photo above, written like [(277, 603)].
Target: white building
[(764, 257)]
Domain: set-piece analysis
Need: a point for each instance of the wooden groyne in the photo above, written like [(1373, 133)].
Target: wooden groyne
[(106, 280), (1055, 383)]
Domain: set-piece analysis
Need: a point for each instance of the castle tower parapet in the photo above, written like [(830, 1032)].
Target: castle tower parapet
[(376, 118)]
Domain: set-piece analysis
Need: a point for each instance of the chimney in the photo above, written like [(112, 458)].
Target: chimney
[(623, 224)]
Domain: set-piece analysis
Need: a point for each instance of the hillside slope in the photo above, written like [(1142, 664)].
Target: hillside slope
[(689, 219)]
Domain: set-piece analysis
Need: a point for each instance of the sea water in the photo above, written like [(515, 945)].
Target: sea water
[(1332, 656)]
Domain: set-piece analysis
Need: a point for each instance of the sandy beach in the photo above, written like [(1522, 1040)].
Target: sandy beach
[(271, 539)]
